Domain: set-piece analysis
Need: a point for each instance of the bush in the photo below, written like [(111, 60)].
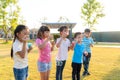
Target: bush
[(56, 36)]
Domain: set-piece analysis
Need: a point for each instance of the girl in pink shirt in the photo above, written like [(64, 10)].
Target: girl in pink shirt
[(44, 47)]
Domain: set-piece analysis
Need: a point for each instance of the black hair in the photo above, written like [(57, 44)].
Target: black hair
[(62, 28), (87, 30), (18, 29), (76, 34), (41, 31)]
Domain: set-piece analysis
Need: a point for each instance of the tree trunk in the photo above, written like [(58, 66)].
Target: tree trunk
[(6, 38)]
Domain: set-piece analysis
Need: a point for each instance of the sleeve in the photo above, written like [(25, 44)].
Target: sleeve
[(92, 42), (38, 41), (16, 48)]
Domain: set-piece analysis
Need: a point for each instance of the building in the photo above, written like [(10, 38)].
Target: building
[(57, 25)]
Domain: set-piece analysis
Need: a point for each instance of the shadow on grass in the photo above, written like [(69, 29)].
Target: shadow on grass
[(114, 74), (83, 77)]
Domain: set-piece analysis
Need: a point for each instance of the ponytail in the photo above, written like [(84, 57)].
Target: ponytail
[(12, 48)]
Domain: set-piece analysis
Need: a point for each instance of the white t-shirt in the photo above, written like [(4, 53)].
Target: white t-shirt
[(18, 61), (63, 49)]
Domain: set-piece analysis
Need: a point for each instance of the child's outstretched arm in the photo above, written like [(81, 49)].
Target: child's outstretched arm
[(73, 45), (91, 45)]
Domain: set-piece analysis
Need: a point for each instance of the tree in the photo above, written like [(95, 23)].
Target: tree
[(9, 16), (14, 17), (91, 12)]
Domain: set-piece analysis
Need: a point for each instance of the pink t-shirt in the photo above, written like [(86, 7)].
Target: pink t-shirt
[(45, 53)]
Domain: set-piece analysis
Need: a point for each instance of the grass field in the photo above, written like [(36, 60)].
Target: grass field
[(104, 65)]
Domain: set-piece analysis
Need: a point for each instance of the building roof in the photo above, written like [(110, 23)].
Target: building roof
[(57, 25)]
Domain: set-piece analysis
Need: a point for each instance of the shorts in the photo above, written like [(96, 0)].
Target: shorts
[(43, 67), (20, 74)]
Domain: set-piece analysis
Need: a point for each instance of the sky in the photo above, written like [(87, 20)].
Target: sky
[(34, 10)]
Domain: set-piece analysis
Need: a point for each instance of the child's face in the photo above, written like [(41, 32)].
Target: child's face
[(87, 34), (46, 34), (24, 34), (79, 38), (65, 33)]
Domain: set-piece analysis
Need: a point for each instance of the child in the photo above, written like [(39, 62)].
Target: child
[(88, 42), (44, 47), (63, 45), (19, 52), (77, 59)]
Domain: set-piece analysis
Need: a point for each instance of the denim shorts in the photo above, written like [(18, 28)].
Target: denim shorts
[(20, 74), (43, 67)]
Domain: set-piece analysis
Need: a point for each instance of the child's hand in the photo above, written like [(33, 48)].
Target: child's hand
[(86, 53), (25, 39), (91, 45), (52, 45), (73, 43), (50, 37), (53, 42)]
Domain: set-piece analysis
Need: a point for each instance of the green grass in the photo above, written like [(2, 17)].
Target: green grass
[(104, 64)]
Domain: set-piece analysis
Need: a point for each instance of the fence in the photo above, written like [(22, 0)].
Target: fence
[(113, 36)]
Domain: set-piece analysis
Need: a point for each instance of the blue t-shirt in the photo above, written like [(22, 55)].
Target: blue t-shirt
[(78, 53), (87, 42)]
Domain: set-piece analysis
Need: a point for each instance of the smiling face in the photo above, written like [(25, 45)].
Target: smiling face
[(64, 33), (79, 37), (46, 34), (87, 34), (23, 34)]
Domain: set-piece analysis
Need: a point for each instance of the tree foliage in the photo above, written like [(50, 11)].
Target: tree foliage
[(91, 12), (9, 15)]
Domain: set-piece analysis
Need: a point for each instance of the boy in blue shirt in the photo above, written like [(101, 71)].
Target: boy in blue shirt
[(88, 42)]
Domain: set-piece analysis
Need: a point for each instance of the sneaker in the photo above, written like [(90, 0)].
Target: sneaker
[(88, 73), (84, 74)]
